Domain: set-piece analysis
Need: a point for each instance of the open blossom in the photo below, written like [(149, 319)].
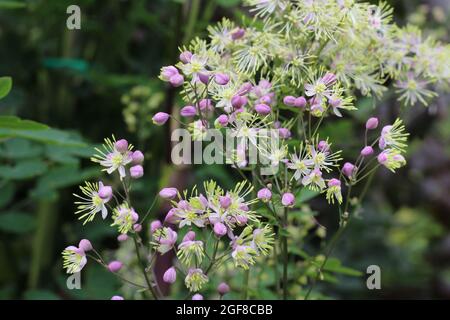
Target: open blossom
[(314, 180), (391, 159), (243, 256), (112, 158), (334, 191), (301, 164), (188, 250), (191, 212), (393, 136), (195, 279), (124, 218), (74, 259), (263, 239), (321, 87), (164, 239), (94, 199)]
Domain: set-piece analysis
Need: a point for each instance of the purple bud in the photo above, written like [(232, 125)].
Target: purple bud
[(136, 171), (85, 245), (137, 227), (170, 276), (160, 118), (289, 101), (265, 99), (300, 102), (323, 146), (134, 216), (277, 124), (372, 123), (117, 298), (185, 57), (190, 236), (154, 225), (285, 133), (238, 101), (121, 145), (168, 193), (288, 199), (382, 157), (241, 219), (176, 80), (223, 120), (115, 266), (223, 288), (348, 169), (222, 79), (334, 182), (137, 157), (203, 77), (168, 72), (329, 78), (188, 111), (238, 34), (262, 109), (197, 296), (171, 217), (225, 201), (264, 194), (245, 88), (220, 229), (122, 238), (105, 192), (367, 151), (205, 104)]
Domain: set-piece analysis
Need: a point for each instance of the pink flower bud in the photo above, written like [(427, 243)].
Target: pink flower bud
[(300, 102), (220, 229), (348, 169), (105, 192), (264, 194), (160, 118), (238, 34), (367, 151), (289, 101), (171, 217), (121, 145), (205, 104), (137, 157), (154, 225), (323, 146), (241, 219), (225, 201), (334, 182), (372, 123), (117, 298), (136, 171), (137, 227), (122, 238), (262, 109), (265, 99), (170, 276), (176, 80), (168, 193), (245, 88), (115, 266), (134, 216), (222, 79), (85, 245), (197, 296), (185, 57), (203, 77), (223, 120), (223, 288), (188, 111), (288, 199), (190, 236), (284, 133), (277, 124), (382, 157), (168, 72), (238, 101)]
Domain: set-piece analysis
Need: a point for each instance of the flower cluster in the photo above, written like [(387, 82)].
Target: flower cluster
[(239, 233)]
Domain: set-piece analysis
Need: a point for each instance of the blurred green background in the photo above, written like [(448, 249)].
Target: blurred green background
[(101, 80)]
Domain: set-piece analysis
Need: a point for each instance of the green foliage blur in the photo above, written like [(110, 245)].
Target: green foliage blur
[(63, 91)]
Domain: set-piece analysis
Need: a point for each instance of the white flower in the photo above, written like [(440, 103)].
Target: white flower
[(74, 259), (113, 159), (91, 202)]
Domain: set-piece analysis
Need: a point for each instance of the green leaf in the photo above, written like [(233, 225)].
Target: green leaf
[(16, 222), (23, 170), (306, 195), (15, 123), (20, 149), (7, 193), (5, 86), (334, 265)]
